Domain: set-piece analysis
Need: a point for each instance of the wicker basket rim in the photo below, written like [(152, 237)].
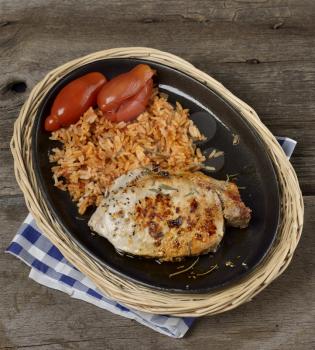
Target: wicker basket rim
[(129, 293)]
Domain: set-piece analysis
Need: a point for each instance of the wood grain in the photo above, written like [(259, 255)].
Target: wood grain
[(281, 317), (264, 52)]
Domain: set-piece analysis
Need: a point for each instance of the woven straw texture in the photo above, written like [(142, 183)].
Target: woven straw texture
[(129, 293)]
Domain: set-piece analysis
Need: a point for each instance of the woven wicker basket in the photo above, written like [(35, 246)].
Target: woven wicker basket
[(132, 294)]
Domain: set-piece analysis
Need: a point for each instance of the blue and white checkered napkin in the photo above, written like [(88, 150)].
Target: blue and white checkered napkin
[(50, 268)]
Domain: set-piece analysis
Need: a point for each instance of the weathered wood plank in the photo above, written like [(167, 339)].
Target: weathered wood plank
[(263, 51), (229, 10), (230, 31), (213, 39), (8, 184), (222, 38), (281, 317)]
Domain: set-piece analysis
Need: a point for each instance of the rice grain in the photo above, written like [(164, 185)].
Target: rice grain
[(95, 151)]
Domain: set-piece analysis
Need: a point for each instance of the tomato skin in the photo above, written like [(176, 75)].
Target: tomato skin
[(133, 106), (73, 100), (123, 87), (52, 123)]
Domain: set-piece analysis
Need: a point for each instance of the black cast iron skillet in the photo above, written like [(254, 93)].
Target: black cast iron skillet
[(241, 250)]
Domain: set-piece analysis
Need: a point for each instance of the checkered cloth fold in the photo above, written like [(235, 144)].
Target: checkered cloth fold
[(50, 268)]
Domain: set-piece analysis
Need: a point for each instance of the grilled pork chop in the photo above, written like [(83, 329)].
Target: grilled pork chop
[(167, 215)]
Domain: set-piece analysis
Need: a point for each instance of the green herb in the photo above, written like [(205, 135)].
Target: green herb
[(212, 268), (167, 188), (232, 176), (189, 193), (154, 190), (147, 171), (185, 270)]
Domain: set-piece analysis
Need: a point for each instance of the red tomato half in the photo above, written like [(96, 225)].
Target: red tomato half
[(123, 87), (73, 100), (133, 106)]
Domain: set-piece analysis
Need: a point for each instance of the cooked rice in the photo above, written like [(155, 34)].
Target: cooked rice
[(96, 151)]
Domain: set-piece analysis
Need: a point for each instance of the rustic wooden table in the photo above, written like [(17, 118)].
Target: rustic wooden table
[(262, 50)]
